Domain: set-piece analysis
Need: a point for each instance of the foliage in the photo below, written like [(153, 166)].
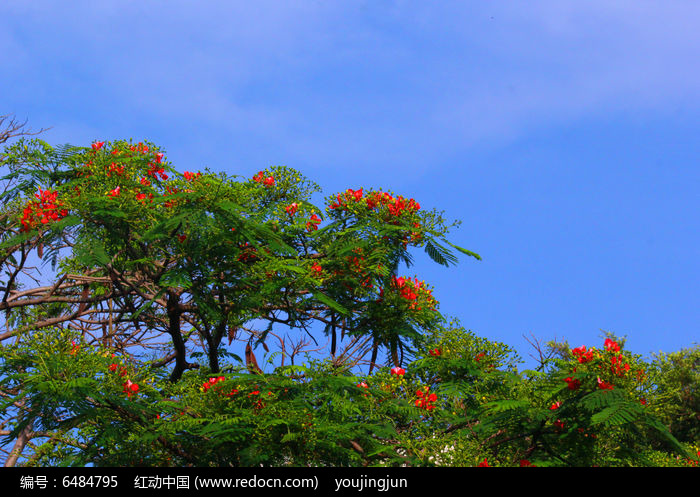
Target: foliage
[(127, 356)]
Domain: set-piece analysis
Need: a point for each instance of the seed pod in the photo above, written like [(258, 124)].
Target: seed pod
[(83, 296), (232, 334), (40, 250), (250, 361)]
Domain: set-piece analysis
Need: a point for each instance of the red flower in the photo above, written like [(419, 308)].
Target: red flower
[(97, 145), (190, 176), (317, 268), (130, 388), (363, 385), (398, 371), (114, 193), (425, 400), (484, 463), (572, 383), (555, 406), (354, 193), (113, 168), (603, 385), (269, 181), (435, 352), (612, 345), (582, 355), (524, 463), (312, 225), (292, 208), (211, 382)]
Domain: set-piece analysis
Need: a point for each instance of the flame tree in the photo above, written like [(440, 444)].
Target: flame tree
[(137, 302)]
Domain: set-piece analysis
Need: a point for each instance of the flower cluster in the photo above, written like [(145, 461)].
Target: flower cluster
[(397, 371), (114, 168), (170, 190), (211, 382), (248, 253), (362, 384), (313, 223), (603, 385), (395, 205), (44, 209), (115, 367), (130, 388), (617, 367), (582, 355), (154, 165), (355, 267), (572, 383), (260, 178), (611, 345), (415, 290), (191, 176), (425, 400), (292, 208), (608, 359), (348, 195)]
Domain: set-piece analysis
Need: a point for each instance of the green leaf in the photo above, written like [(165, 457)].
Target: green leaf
[(93, 255), (464, 251), (617, 414), (176, 278), (439, 254), (330, 302)]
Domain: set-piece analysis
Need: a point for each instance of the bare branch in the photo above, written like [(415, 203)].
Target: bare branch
[(10, 128)]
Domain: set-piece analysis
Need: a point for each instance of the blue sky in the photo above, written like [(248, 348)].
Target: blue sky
[(563, 134)]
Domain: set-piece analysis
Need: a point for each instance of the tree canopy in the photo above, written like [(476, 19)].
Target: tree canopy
[(127, 351)]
